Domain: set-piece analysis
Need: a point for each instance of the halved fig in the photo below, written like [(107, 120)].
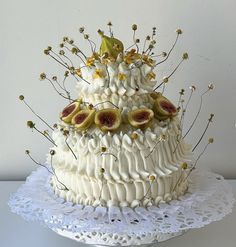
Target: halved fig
[(83, 119), (69, 111), (140, 118), (164, 109), (108, 119)]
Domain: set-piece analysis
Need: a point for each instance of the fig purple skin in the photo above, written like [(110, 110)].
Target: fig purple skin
[(108, 119), (69, 111), (140, 118)]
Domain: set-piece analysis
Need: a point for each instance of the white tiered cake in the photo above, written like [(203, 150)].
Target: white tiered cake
[(119, 143)]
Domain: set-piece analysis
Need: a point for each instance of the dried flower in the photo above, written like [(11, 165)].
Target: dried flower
[(164, 54), (165, 79), (181, 91), (65, 39), (54, 78), (46, 52), (42, 76), (86, 36), (121, 76), (81, 29), (185, 56), (179, 31), (52, 152), (184, 166), (30, 124), (152, 177), (74, 50), (211, 86), (134, 27), (192, 88), (211, 140), (134, 136), (103, 149), (109, 24), (27, 151), (61, 52), (21, 97), (102, 170)]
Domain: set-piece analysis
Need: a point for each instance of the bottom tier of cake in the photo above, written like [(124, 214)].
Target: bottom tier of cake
[(133, 193)]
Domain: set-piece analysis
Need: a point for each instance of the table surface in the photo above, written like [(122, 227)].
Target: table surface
[(15, 232)]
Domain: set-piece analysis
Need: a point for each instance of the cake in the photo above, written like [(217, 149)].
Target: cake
[(119, 143)]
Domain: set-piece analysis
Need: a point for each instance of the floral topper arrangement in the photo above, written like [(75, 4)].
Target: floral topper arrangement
[(80, 115)]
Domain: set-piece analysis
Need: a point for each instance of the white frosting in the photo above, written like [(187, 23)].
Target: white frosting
[(109, 83), (128, 163)]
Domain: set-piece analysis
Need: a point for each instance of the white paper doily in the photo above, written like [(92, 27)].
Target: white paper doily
[(209, 199)]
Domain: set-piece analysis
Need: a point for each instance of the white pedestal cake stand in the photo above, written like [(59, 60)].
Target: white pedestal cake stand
[(209, 199)]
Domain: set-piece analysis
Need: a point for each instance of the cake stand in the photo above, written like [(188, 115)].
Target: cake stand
[(209, 198)]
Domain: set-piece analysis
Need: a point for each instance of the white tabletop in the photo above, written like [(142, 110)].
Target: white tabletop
[(15, 232)]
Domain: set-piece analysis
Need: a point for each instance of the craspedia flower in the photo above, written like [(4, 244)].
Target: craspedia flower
[(52, 152), (21, 97), (134, 27), (179, 31), (61, 52), (165, 79), (211, 86), (30, 124), (211, 140), (185, 56), (134, 136), (102, 170), (109, 23), (81, 29), (103, 149), (152, 177), (74, 50), (27, 151), (184, 166), (42, 76), (192, 88)]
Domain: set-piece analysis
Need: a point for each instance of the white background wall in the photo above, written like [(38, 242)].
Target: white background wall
[(27, 27)]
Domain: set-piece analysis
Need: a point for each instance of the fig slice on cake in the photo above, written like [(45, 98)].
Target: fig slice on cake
[(69, 111), (83, 119), (108, 119), (163, 108), (140, 118)]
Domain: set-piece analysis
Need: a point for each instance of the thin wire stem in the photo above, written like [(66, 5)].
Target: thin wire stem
[(37, 114), (204, 132), (54, 173), (198, 112), (168, 54), (36, 162), (70, 147), (40, 132)]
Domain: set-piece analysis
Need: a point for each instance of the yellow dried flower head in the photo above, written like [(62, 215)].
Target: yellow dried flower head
[(152, 177), (185, 56), (90, 61), (102, 170), (184, 166), (103, 149), (98, 74), (121, 76), (151, 76), (134, 136), (211, 140), (78, 72)]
